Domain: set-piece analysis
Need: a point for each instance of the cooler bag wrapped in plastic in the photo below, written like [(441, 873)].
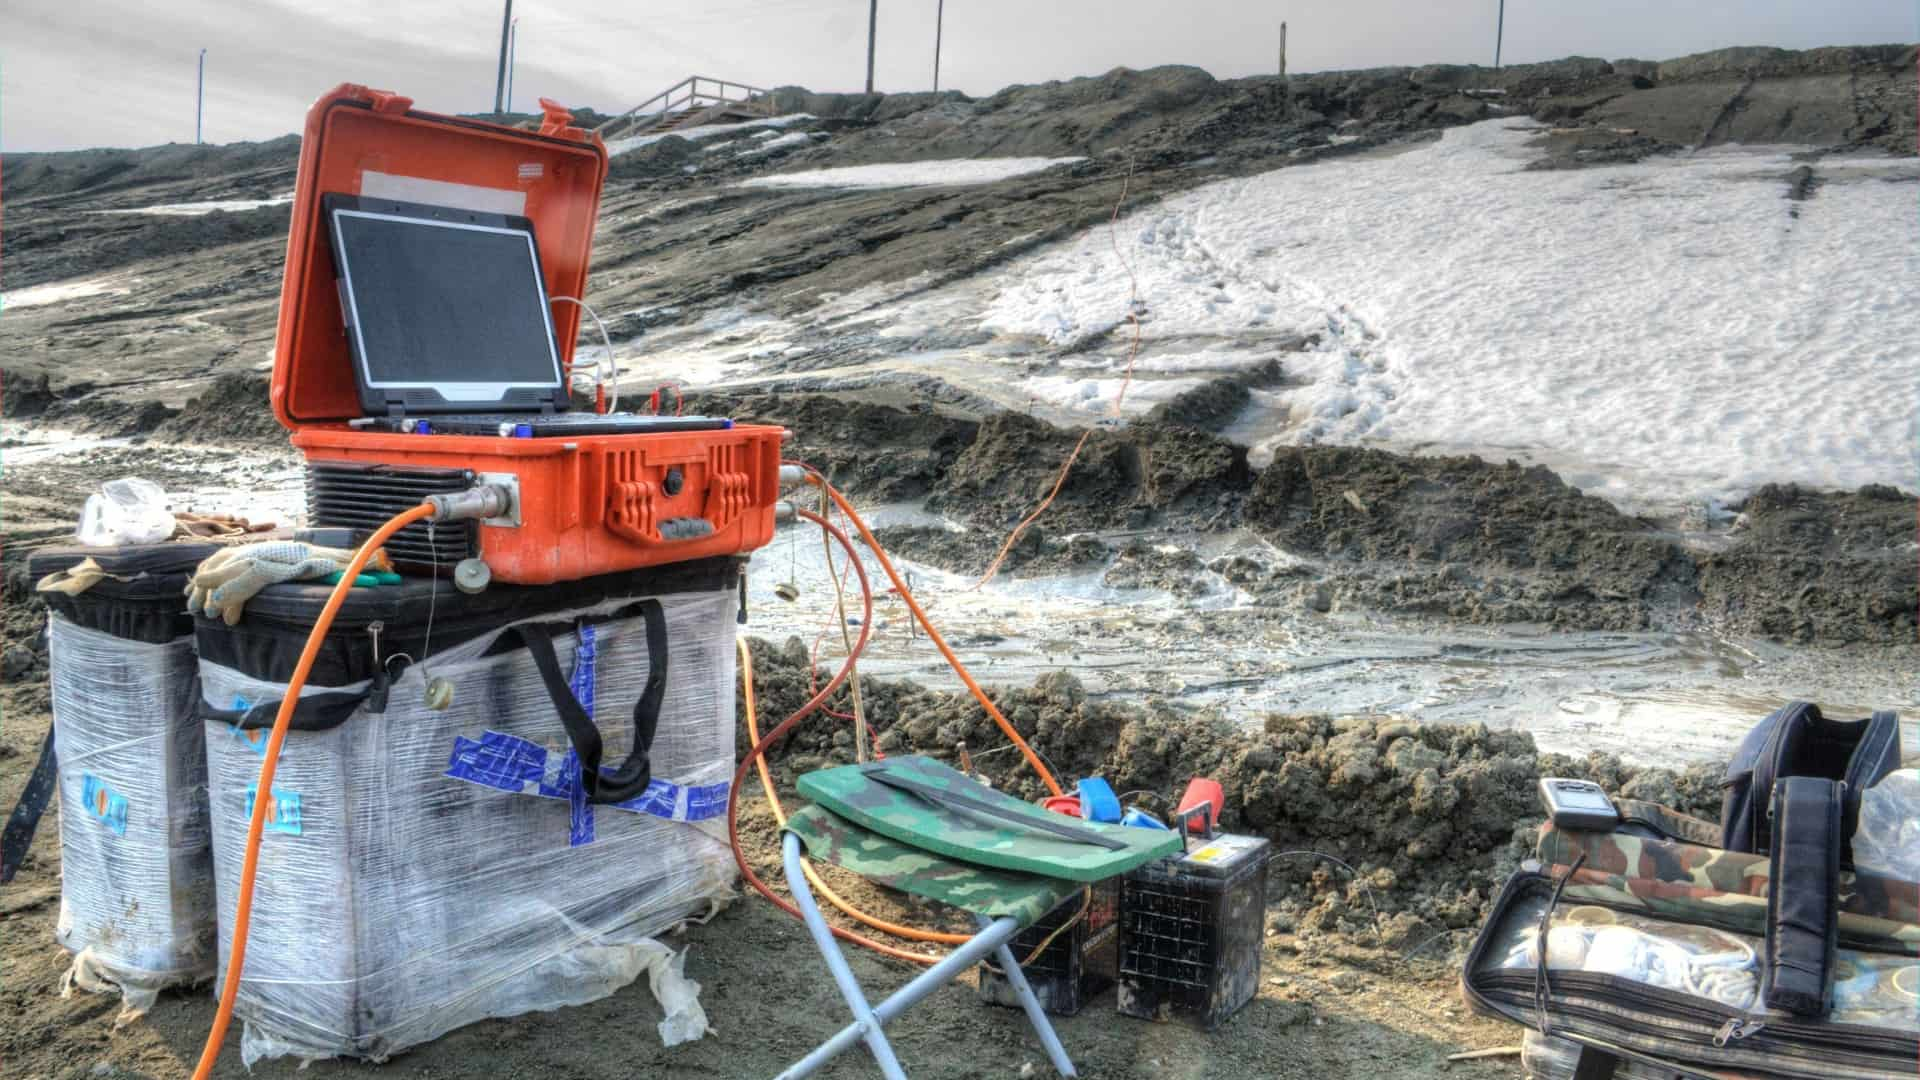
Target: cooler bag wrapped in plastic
[(431, 856), (136, 899)]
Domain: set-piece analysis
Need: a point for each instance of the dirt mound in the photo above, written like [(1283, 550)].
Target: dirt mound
[(1213, 404), (232, 411), (1811, 565), (1455, 537), (80, 407), (1498, 543), (41, 176), (1432, 818), (876, 451), (1124, 476), (42, 247)]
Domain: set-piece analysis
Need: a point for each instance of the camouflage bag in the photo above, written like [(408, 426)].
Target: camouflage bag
[(1710, 886)]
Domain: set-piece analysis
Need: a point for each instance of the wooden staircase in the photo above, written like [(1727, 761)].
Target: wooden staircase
[(691, 102)]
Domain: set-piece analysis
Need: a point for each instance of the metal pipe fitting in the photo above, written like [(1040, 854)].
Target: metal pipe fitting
[(481, 501)]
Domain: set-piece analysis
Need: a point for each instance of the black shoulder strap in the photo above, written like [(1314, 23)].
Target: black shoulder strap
[(315, 712), (633, 776), (997, 813), (25, 819), (1803, 899)]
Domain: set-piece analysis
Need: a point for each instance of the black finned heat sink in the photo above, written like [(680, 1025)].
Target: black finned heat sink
[(365, 497)]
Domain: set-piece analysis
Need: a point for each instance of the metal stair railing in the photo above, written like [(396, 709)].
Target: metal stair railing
[(689, 96)]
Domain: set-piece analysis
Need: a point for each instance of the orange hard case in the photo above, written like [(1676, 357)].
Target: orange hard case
[(585, 505)]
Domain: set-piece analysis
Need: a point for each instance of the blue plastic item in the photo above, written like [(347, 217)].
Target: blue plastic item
[(1097, 801), (523, 431), (1140, 819)]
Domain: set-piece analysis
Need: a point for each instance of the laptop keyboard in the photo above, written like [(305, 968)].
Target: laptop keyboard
[(547, 425)]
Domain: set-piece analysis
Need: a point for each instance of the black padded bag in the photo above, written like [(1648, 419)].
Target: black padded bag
[(1798, 741)]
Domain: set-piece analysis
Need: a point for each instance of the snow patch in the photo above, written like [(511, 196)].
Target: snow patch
[(707, 131), (1664, 330), (196, 209), (945, 173), (60, 292)]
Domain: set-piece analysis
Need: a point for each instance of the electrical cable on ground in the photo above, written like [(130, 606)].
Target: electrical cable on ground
[(780, 816), (933, 632), (755, 756), (760, 748), (269, 761), (1133, 354), (861, 751)]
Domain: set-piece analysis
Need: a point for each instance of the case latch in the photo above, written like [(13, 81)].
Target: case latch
[(556, 120), (386, 101)]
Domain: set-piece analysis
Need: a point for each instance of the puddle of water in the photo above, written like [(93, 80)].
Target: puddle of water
[(1649, 698)]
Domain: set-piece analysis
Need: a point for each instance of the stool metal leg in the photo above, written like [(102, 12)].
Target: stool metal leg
[(1010, 967), (865, 1023)]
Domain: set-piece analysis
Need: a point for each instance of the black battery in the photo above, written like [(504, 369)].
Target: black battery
[(1191, 931), (1073, 966)]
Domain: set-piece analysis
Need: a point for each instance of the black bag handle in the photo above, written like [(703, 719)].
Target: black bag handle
[(18, 835), (633, 775), (315, 712)]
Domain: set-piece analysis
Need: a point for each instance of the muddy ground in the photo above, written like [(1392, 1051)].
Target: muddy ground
[(165, 349)]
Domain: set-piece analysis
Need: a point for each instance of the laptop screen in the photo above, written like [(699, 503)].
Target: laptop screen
[(456, 307)]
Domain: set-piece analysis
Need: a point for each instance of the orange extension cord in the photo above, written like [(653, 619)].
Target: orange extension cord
[(780, 815), (933, 634), (270, 760)]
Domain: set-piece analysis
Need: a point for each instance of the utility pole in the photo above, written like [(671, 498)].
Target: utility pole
[(200, 98), (873, 23), (1286, 87), (939, 20), (513, 40), (500, 81), (1499, 33)]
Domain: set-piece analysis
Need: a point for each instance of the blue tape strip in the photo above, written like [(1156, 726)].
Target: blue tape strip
[(510, 763), (579, 811), (283, 810), (107, 806)]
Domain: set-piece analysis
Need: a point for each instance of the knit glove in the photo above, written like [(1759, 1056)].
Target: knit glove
[(226, 580)]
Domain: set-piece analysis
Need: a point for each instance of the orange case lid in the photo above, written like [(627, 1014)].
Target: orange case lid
[(372, 142)]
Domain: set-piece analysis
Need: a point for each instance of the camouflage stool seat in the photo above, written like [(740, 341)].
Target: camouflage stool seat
[(1003, 902)]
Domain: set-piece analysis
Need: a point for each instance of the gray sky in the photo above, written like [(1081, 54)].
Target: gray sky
[(77, 73)]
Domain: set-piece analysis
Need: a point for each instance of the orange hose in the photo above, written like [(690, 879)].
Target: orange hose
[(256, 828), (780, 815), (760, 748), (933, 634)]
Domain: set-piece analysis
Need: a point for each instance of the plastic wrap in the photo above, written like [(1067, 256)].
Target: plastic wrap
[(136, 899), (409, 885), (1887, 842), (1726, 969)]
